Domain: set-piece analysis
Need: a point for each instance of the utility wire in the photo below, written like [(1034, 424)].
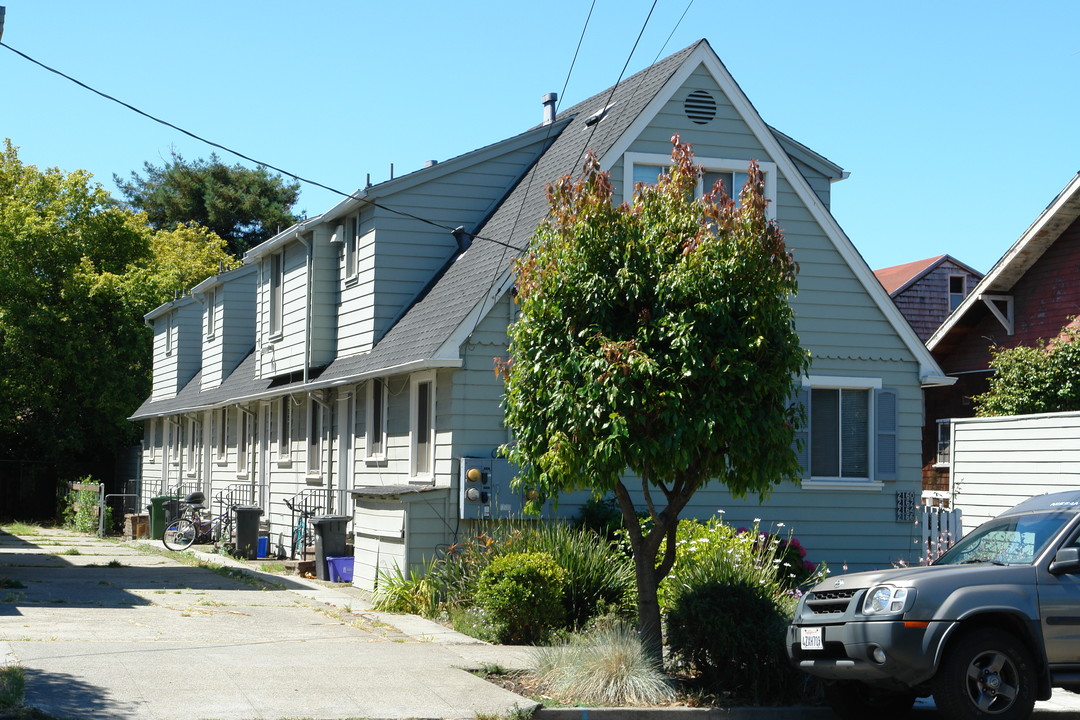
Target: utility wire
[(229, 150)]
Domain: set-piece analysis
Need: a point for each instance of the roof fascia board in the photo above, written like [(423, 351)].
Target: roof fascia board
[(221, 278), (414, 366), (986, 285), (165, 308), (704, 55), (361, 198), (811, 157), (281, 239)]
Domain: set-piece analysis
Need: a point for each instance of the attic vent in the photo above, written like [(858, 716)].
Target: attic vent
[(700, 107)]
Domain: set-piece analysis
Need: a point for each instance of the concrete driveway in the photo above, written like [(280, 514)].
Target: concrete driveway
[(108, 631)]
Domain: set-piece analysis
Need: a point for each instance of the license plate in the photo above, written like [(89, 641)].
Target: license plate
[(811, 638)]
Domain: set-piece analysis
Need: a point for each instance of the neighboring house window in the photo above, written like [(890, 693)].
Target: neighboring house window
[(944, 442), (241, 441), (315, 438), (284, 428), (422, 423), (647, 167), (957, 290), (351, 242), (277, 292), (211, 314), (850, 430), (376, 419)]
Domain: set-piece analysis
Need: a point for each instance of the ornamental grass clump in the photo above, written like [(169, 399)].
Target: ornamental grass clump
[(607, 666)]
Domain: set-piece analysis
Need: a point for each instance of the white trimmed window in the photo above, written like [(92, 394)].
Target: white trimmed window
[(422, 424), (219, 432), (375, 421), (192, 447), (149, 429), (242, 439), (352, 230), (277, 293), (284, 429), (315, 437), (174, 441), (647, 167), (850, 431), (211, 313)]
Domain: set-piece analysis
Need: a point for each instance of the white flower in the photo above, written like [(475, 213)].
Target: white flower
[(757, 520), (779, 525)]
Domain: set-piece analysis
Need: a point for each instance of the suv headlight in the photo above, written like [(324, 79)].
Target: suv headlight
[(887, 600)]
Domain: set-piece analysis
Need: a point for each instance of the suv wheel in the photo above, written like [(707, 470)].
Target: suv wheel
[(858, 701), (986, 674)]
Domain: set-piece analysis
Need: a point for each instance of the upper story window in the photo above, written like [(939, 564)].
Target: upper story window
[(352, 229), (211, 313), (850, 431), (170, 333), (647, 167), (957, 290), (277, 292), (375, 422), (422, 415)]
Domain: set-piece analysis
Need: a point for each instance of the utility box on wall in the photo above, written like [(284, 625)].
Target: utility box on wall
[(485, 491)]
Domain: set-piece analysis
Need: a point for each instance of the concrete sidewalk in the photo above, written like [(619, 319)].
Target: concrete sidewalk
[(106, 631)]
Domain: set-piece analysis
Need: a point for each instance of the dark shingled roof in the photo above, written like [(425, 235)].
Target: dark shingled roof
[(471, 275)]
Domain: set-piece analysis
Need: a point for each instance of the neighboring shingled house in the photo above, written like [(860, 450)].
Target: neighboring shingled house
[(369, 389), (1030, 294), (926, 291)]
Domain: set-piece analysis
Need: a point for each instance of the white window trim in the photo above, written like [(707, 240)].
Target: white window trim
[(175, 447), (149, 446), (243, 442), (220, 437), (414, 384), (211, 313), (170, 333), (352, 249), (370, 429), (316, 434), (848, 383), (275, 288), (283, 417), (193, 447), (768, 169)]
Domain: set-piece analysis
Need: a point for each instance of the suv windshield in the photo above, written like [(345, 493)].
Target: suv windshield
[(1011, 540)]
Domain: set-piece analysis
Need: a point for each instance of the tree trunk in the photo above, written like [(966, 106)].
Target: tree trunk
[(649, 625)]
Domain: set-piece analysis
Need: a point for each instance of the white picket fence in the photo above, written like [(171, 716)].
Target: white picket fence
[(939, 528)]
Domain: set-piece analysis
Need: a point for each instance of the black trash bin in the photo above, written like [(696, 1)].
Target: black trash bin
[(247, 531), (329, 541)]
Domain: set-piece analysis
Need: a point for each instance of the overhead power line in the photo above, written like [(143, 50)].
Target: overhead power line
[(457, 231)]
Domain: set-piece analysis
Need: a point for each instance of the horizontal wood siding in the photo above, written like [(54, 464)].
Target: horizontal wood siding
[(173, 372), (237, 320), (325, 295), (998, 462), (378, 528), (430, 526), (356, 313), (278, 356)]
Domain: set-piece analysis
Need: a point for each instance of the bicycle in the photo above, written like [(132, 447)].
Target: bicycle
[(303, 537), (195, 528)]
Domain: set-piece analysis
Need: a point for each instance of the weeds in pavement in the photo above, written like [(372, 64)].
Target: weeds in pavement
[(12, 686), (20, 528)]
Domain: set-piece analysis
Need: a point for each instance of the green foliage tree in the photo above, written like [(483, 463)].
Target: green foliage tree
[(77, 273), (1026, 379), (654, 337), (242, 205)]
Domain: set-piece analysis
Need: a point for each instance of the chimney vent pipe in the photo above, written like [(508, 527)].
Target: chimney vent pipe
[(549, 101)]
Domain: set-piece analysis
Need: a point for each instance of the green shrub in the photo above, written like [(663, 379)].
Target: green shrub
[(81, 508), (416, 594), (728, 602), (600, 578), (522, 594), (607, 666)]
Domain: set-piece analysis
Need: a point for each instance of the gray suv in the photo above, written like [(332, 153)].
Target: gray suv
[(987, 629)]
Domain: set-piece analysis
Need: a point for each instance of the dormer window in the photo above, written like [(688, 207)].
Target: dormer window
[(957, 290), (647, 167)]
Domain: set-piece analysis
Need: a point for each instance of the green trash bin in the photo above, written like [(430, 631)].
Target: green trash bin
[(158, 516)]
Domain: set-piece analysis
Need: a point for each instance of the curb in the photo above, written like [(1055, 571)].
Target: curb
[(793, 712)]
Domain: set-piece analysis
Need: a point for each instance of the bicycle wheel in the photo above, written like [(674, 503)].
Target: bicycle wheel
[(179, 535)]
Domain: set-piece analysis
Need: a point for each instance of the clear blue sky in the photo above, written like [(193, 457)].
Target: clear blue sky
[(957, 120)]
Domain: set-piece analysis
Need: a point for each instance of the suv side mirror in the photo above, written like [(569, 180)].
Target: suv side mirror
[(1066, 560)]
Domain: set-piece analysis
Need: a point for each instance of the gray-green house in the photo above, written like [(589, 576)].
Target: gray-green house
[(373, 327)]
